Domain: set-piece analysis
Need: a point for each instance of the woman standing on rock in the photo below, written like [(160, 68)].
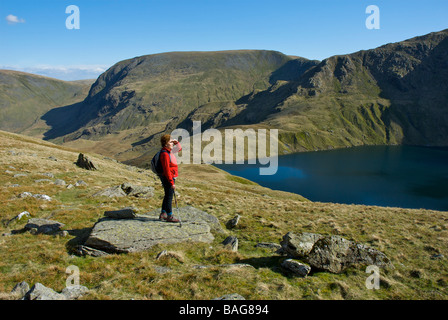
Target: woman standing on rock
[(170, 173)]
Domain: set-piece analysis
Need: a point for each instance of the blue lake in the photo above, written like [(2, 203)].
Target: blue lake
[(392, 176)]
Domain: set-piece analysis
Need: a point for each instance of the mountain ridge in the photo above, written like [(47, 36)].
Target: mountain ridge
[(24, 97), (392, 94)]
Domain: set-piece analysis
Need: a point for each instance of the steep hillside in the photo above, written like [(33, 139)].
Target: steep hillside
[(165, 87), (395, 94), (136, 100), (414, 240), (25, 97)]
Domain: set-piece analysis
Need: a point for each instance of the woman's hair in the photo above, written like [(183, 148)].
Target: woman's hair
[(165, 139)]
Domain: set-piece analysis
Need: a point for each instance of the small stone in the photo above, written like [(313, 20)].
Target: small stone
[(60, 182), (85, 163), (296, 267), (232, 296), (416, 274), (80, 183), (232, 242), (126, 213), (74, 292), (232, 223), (25, 194), (20, 289), (40, 292)]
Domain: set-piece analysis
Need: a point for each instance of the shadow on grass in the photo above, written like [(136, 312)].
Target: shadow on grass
[(271, 262), (80, 238)]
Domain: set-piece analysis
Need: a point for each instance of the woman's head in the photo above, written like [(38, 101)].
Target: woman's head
[(165, 140)]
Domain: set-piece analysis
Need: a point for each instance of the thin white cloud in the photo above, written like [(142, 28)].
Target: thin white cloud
[(67, 73), (12, 19)]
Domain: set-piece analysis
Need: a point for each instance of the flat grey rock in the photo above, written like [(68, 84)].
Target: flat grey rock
[(144, 231)]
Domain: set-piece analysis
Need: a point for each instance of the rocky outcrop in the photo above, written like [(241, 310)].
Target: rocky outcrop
[(298, 245), (231, 242), (334, 254), (296, 267), (331, 253), (232, 223), (22, 291), (126, 213), (41, 292), (85, 163), (110, 235)]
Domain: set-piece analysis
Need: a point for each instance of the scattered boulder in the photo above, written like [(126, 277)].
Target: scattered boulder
[(331, 253), (111, 192), (37, 196), (60, 182), (80, 183), (42, 197), (44, 226), (298, 245), (20, 289), (232, 242), (296, 267), (74, 292), (170, 255), (41, 292), (126, 213), (144, 231), (232, 223), (82, 250), (85, 163), (334, 254)]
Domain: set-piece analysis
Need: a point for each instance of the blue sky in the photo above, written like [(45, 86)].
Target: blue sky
[(34, 37)]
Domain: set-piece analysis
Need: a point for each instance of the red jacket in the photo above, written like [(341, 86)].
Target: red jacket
[(170, 167)]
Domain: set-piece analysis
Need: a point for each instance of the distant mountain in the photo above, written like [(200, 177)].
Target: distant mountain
[(394, 94), (162, 87), (25, 97)]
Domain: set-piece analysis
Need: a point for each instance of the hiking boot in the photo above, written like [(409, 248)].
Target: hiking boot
[(163, 216), (171, 219)]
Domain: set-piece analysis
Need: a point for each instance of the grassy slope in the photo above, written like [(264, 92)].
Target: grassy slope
[(25, 97), (408, 237)]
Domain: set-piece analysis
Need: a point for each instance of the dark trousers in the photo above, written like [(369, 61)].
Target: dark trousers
[(168, 198)]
